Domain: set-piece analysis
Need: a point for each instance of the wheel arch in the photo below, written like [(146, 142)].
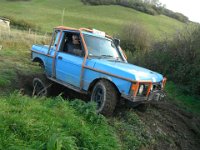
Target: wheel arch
[(92, 84), (40, 61)]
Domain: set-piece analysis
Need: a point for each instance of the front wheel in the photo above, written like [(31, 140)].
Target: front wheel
[(106, 96)]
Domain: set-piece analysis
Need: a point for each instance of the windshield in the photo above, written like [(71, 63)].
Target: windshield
[(101, 47)]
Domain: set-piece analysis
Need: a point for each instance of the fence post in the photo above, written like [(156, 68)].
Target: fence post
[(35, 37), (62, 18)]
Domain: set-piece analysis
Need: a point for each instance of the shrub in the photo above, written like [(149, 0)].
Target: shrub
[(175, 15), (178, 59), (134, 37)]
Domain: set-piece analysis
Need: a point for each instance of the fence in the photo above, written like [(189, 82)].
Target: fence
[(24, 37)]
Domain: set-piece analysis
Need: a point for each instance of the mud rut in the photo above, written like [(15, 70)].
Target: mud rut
[(181, 128)]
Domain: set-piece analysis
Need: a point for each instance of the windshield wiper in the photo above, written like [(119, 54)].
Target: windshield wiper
[(107, 56), (102, 56), (116, 59), (96, 56)]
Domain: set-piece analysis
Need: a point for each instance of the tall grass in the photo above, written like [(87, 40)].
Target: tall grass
[(52, 124), (15, 55)]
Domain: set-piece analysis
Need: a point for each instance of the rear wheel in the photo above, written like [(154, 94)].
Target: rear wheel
[(41, 86), (106, 96)]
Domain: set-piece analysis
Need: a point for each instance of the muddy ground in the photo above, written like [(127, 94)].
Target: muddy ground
[(177, 128), (180, 129)]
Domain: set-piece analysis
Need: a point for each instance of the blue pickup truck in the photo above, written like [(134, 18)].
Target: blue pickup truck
[(92, 62)]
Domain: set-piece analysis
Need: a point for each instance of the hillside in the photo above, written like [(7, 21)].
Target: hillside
[(60, 122), (48, 13)]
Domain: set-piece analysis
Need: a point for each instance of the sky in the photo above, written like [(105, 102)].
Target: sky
[(190, 8)]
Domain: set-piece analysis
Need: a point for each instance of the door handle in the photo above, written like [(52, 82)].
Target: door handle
[(59, 57)]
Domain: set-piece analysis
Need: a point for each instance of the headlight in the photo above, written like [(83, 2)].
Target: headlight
[(162, 85), (141, 89), (152, 88)]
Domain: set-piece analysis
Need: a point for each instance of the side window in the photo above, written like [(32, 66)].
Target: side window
[(55, 39), (72, 44)]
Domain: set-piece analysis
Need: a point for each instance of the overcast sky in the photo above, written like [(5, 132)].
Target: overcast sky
[(190, 8)]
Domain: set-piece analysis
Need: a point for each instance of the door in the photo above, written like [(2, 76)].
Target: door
[(52, 49), (69, 59)]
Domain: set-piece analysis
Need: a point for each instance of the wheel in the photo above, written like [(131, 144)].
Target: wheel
[(41, 87), (106, 97)]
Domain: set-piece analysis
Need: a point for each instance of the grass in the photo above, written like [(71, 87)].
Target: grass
[(15, 57), (48, 13), (189, 102), (132, 131), (52, 124), (55, 124)]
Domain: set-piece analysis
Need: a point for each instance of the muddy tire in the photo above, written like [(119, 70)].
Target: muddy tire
[(106, 96), (41, 86)]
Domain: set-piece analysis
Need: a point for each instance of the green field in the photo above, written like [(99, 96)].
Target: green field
[(48, 13), (55, 123)]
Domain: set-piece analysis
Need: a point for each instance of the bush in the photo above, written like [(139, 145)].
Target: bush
[(146, 8), (175, 15), (134, 37), (178, 59)]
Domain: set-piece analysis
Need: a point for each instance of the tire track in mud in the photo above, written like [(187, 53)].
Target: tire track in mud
[(181, 129)]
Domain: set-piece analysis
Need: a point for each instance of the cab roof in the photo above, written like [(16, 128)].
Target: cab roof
[(83, 30)]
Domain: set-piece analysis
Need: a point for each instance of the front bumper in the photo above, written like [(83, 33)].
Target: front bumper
[(149, 91), (156, 95)]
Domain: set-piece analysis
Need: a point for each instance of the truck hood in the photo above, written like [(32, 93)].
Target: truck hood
[(127, 70)]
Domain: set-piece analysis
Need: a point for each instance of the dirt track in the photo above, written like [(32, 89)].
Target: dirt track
[(179, 129)]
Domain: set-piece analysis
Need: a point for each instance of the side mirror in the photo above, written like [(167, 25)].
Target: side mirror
[(116, 42)]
